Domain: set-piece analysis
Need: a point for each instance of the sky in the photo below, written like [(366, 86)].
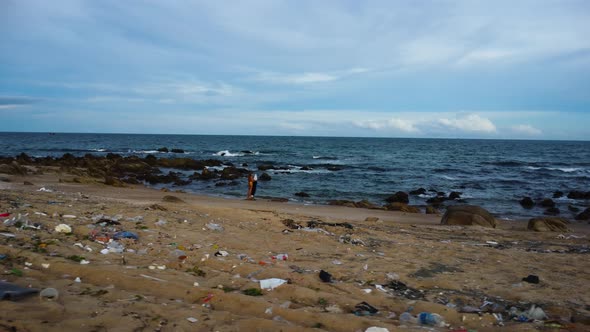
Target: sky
[(455, 69)]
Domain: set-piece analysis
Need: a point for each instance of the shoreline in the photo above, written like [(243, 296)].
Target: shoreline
[(447, 270)]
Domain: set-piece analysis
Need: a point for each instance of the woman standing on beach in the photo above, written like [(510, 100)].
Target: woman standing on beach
[(250, 185)]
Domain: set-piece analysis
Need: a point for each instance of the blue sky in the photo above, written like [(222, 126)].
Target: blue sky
[(464, 69)]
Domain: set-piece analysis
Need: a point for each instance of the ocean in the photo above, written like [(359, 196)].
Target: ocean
[(494, 174)]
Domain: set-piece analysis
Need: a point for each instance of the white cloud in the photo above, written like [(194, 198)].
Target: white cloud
[(305, 77), (526, 130), (469, 123), (406, 126)]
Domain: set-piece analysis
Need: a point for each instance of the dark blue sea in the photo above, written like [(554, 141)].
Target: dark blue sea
[(494, 174)]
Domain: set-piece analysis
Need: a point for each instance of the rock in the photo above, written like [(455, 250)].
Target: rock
[(573, 208), (27, 183), (467, 215), (177, 151), (552, 211), (364, 204), (265, 167), (436, 201), (163, 149), (527, 202), (578, 195), (399, 197), (232, 173), (302, 194), (172, 199), (455, 195), (13, 168), (547, 202), (113, 181), (342, 202), (419, 191), (264, 177), (557, 194), (397, 206), (431, 210), (371, 219), (548, 224), (206, 174), (584, 215)]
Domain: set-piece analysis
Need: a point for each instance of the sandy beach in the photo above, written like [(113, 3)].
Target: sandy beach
[(198, 263)]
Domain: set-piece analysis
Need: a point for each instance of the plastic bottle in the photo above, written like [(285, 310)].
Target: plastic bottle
[(115, 247), (281, 257), (427, 318), (407, 318)]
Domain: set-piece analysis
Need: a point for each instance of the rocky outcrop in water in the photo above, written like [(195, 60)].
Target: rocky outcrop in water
[(399, 197), (527, 203)]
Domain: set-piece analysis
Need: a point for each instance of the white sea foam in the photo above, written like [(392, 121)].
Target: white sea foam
[(227, 153), (562, 169), (146, 151), (448, 177)]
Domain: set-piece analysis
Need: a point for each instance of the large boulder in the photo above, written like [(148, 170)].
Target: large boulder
[(467, 215), (400, 197), (584, 215), (527, 202), (419, 191), (548, 224), (578, 195), (547, 202), (264, 177), (13, 168)]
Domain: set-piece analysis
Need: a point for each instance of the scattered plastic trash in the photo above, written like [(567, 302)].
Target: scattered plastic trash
[(407, 318), (161, 222), (336, 262), (281, 257), (272, 283), (325, 276), (376, 329), (364, 309), (4, 215), (430, 319), (45, 265), (180, 254), (214, 227), (334, 308), (268, 311), (114, 246), (125, 235), (49, 293), (221, 253), (532, 279), (392, 276), (69, 216), (9, 291), (84, 262), (77, 279), (152, 278), (192, 319), (63, 228), (536, 313), (43, 189)]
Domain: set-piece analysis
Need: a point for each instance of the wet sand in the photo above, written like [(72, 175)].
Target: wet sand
[(147, 287)]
